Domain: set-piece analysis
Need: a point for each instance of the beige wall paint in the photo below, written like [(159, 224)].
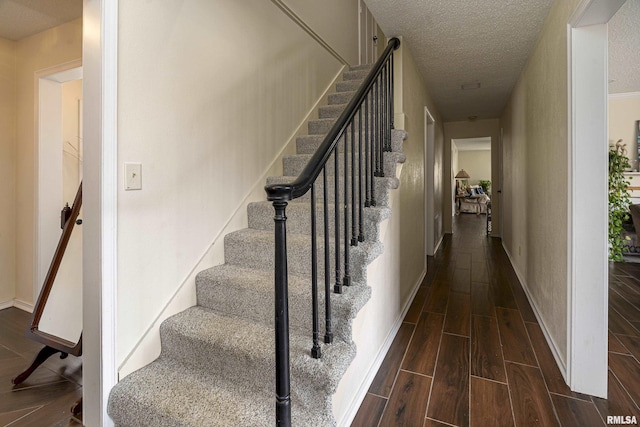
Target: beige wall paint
[(49, 48), (335, 21), (477, 163), (516, 201), (624, 112), (467, 129), (7, 169), (209, 94), (412, 213), (537, 146)]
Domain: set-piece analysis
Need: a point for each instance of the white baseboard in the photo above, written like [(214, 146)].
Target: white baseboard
[(550, 341), (377, 362), (435, 251), (24, 306), (6, 304)]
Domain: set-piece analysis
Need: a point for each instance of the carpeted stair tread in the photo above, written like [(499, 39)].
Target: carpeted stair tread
[(255, 248), (171, 395), (242, 292), (299, 217), (348, 85), (241, 349), (340, 97), (366, 67), (331, 111), (356, 74)]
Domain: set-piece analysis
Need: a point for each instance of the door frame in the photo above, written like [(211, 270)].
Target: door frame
[(429, 184), (100, 55), (587, 311)]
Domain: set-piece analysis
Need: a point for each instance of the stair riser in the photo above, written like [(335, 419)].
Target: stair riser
[(252, 254), (340, 97), (331, 111), (216, 294), (348, 85), (223, 359), (299, 219)]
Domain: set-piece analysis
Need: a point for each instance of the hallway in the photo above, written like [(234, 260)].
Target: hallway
[(471, 352)]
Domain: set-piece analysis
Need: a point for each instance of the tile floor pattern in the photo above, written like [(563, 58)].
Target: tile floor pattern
[(471, 352), (46, 397)]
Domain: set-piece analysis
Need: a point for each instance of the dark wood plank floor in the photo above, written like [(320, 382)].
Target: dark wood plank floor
[(470, 350), (46, 397)]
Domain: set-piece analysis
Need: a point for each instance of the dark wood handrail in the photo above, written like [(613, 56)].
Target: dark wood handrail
[(302, 184), (33, 332)]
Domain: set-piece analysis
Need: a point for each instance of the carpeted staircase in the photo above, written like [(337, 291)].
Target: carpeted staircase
[(217, 362)]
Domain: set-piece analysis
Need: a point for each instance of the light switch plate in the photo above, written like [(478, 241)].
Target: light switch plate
[(133, 176)]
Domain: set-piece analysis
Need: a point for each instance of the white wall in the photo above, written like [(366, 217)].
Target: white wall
[(209, 95), (477, 164), (7, 171), (624, 112)]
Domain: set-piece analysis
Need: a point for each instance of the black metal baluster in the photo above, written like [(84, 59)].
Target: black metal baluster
[(376, 138), (360, 178), (372, 143), (381, 135), (387, 123), (391, 86), (347, 275), (383, 100), (315, 350), (386, 107), (354, 237), (389, 104), (283, 382), (337, 288), (367, 202), (328, 334)]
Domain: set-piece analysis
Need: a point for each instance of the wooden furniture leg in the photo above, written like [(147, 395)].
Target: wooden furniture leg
[(43, 355)]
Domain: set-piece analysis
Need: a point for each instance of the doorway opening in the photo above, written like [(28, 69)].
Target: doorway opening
[(471, 170), (59, 157)]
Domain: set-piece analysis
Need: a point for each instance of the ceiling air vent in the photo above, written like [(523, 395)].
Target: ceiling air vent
[(470, 86)]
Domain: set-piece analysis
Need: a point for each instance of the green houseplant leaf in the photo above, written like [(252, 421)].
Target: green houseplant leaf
[(619, 200)]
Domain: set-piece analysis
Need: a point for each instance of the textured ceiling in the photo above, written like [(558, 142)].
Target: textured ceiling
[(23, 18), (624, 49), (456, 42)]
